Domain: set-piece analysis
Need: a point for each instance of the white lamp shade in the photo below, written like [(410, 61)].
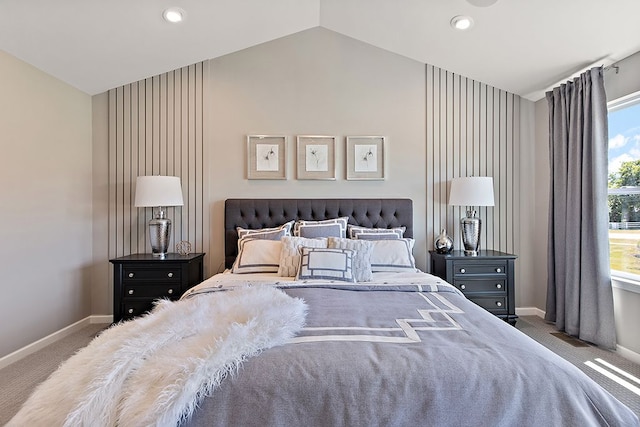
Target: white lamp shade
[(158, 191), (471, 191)]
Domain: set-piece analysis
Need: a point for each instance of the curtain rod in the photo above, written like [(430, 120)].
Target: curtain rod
[(614, 66)]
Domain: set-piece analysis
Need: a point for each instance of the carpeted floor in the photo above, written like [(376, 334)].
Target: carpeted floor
[(578, 352), (18, 380)]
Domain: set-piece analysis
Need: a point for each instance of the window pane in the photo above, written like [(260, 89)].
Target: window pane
[(624, 186)]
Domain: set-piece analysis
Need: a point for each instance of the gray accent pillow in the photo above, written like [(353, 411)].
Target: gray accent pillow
[(326, 264), (356, 232), (361, 258), (327, 228), (290, 254), (273, 233)]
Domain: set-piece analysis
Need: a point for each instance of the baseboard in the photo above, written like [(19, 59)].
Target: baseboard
[(530, 311), (50, 339), (628, 354), (104, 318)]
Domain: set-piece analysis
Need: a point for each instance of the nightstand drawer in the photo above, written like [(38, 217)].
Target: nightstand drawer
[(496, 305), (481, 285), (168, 273), (465, 268), (134, 308), (155, 291)]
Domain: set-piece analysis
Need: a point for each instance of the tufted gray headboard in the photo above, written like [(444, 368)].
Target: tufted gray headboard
[(261, 213)]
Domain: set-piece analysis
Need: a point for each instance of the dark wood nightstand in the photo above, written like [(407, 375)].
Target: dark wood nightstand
[(486, 279), (139, 279)]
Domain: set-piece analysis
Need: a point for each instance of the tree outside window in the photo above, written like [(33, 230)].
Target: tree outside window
[(624, 186)]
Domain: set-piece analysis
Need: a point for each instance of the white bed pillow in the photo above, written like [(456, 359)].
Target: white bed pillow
[(326, 264), (257, 256), (361, 258), (393, 255), (290, 253), (356, 232), (273, 233), (335, 227)]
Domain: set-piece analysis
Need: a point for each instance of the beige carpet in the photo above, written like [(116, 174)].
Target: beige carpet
[(579, 352), (18, 380)]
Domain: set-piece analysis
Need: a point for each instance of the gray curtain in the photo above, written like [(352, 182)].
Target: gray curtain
[(579, 294)]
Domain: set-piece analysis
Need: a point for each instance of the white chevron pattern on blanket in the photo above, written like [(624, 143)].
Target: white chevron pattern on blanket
[(437, 317)]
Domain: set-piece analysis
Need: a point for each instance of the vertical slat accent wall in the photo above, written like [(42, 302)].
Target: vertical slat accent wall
[(472, 130), (157, 127)]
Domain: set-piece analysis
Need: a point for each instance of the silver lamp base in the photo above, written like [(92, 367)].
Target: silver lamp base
[(470, 226), (159, 229)]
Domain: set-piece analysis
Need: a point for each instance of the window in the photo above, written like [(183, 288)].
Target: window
[(624, 187)]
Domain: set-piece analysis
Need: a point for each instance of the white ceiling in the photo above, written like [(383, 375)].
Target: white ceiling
[(522, 46)]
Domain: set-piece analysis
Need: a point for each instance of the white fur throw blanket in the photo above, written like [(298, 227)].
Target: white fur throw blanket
[(153, 371)]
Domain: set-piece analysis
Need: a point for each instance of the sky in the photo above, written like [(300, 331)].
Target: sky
[(624, 136)]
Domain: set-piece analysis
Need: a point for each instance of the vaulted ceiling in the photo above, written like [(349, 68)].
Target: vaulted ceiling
[(522, 46)]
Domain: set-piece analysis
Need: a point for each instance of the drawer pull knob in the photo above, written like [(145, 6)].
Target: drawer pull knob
[(498, 285), (170, 291), (498, 303), (463, 286), (498, 270), (170, 274), (462, 270), (130, 291), (131, 311), (130, 274)]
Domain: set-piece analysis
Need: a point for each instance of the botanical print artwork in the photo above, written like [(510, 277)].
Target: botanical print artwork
[(266, 157), (316, 158), (366, 158)]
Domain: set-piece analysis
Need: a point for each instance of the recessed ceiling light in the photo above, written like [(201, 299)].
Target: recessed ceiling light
[(482, 3), (174, 14), (461, 22)]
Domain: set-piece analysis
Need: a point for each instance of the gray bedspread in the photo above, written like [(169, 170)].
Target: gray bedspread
[(407, 355)]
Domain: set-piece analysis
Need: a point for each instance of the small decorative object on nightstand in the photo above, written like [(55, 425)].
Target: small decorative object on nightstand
[(139, 279), (443, 243), (487, 279)]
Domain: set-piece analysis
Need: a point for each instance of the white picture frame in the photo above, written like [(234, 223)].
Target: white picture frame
[(266, 157), (365, 157), (316, 157)]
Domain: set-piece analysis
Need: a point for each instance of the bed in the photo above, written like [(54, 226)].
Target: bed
[(403, 348)]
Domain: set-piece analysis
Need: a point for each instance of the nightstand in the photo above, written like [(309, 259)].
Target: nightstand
[(139, 279), (486, 279)]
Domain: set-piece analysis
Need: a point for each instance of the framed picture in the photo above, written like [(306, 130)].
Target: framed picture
[(316, 157), (266, 157), (365, 157)]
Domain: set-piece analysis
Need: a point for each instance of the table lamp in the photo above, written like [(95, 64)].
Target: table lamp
[(158, 192), (470, 192)]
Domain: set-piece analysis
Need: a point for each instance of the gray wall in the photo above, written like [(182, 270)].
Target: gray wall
[(626, 303), (46, 215), (438, 125)]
